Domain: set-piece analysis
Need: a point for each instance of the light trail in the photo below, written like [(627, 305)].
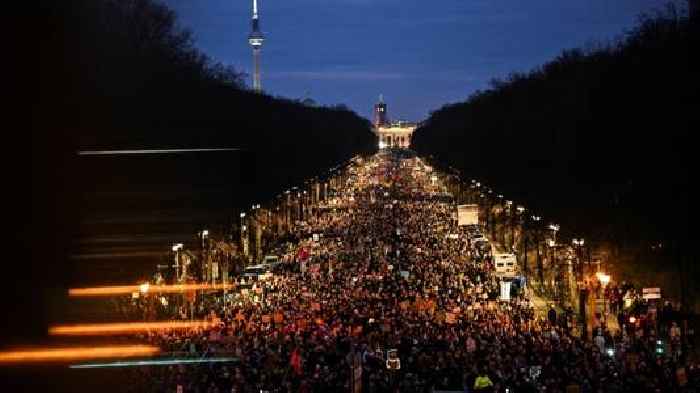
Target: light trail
[(149, 151), (128, 289), (165, 362), (100, 329), (76, 353)]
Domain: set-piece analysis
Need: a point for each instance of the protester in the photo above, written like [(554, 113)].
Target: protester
[(388, 274)]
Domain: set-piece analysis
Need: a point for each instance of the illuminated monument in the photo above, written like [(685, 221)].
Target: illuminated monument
[(396, 134), (256, 39)]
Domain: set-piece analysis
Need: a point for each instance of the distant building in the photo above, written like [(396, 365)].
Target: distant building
[(380, 115), (396, 134)]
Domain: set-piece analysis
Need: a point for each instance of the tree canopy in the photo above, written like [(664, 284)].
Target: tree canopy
[(597, 139)]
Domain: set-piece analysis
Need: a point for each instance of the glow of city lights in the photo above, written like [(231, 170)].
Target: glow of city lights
[(105, 329), (154, 362), (554, 227), (603, 278), (75, 353), (128, 289)]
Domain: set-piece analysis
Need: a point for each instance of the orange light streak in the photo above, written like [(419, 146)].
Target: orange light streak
[(76, 353), (99, 329), (128, 289)]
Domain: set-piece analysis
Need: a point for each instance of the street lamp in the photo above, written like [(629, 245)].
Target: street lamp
[(540, 269), (507, 217), (554, 227), (578, 243), (522, 220), (205, 264), (604, 280), (176, 249)]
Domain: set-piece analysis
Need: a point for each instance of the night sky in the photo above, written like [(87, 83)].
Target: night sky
[(420, 54)]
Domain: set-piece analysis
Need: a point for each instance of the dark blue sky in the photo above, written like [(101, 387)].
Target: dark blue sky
[(421, 54)]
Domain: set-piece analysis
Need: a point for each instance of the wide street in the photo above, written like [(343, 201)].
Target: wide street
[(376, 289)]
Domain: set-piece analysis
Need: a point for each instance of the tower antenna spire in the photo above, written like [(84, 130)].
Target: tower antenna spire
[(256, 39)]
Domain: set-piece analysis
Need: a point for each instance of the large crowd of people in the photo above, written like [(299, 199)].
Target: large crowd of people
[(391, 296)]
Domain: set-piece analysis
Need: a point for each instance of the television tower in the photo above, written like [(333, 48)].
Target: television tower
[(255, 39)]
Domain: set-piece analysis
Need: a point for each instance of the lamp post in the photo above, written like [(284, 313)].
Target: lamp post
[(508, 217), (553, 265), (522, 219), (604, 280), (255, 222), (578, 245), (206, 262), (176, 249), (540, 268), (553, 245), (582, 290), (244, 239), (495, 220)]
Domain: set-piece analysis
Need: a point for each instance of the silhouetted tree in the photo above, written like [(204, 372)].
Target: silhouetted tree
[(598, 138)]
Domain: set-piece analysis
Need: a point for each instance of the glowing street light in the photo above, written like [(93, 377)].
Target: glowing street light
[(603, 278), (176, 249)]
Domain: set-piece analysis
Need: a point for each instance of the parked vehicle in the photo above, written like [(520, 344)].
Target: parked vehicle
[(254, 271), (506, 265)]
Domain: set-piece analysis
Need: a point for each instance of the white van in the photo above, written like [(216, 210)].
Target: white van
[(271, 260), (506, 265), (254, 271)]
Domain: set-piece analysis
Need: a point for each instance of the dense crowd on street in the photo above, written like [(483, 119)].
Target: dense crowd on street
[(390, 271)]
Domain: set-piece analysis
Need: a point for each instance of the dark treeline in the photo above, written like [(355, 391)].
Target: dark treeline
[(596, 139), (122, 74)]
